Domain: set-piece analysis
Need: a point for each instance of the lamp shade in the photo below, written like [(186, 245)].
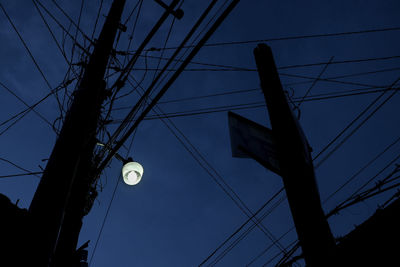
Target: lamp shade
[(132, 173)]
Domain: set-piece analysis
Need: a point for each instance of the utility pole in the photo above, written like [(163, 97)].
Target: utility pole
[(66, 180), (296, 167)]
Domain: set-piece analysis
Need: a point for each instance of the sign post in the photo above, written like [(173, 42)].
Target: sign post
[(285, 151)]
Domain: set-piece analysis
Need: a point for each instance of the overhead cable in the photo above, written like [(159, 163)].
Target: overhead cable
[(241, 227), (314, 82), (252, 105), (309, 36), (359, 125), (362, 169), (26, 104), (28, 50), (20, 174)]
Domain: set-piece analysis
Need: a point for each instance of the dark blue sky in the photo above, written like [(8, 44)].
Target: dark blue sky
[(178, 215)]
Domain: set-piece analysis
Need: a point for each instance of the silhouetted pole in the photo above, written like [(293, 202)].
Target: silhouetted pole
[(297, 168), (71, 159)]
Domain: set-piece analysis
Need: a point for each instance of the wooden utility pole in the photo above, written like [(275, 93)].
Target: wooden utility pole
[(66, 180), (296, 167)]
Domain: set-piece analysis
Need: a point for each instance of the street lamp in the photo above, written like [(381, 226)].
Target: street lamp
[(132, 172)]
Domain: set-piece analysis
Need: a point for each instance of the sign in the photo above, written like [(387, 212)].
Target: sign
[(252, 140)]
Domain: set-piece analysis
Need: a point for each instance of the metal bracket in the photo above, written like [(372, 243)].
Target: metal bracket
[(176, 13)]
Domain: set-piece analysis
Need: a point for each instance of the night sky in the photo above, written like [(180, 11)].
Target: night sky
[(181, 212)]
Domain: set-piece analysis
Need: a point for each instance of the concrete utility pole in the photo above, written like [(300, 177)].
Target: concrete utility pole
[(58, 204), (297, 168)]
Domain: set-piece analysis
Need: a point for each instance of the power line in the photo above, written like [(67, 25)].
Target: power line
[(314, 82), (51, 32), (124, 75), (268, 248), (204, 160), (63, 54), (339, 62), (351, 123), (374, 177), (77, 27), (210, 95), (192, 62), (24, 112), (295, 66), (107, 212), (330, 80), (109, 206), (172, 58), (288, 84), (359, 197), (248, 230), (348, 75), (363, 73), (17, 166), (120, 81), (393, 84), (38, 68), (252, 105), (224, 67), (20, 174), (217, 178), (63, 28), (26, 104), (198, 111), (346, 93), (188, 36), (206, 168), (208, 165), (362, 169), (97, 19), (359, 125), (352, 200), (281, 74), (310, 36), (117, 183), (140, 2), (373, 191), (104, 219), (241, 227), (396, 195), (166, 41), (294, 245), (27, 49), (72, 21), (240, 91), (14, 122), (132, 61)]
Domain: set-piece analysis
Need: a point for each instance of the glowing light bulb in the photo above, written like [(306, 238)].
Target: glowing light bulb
[(132, 173)]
